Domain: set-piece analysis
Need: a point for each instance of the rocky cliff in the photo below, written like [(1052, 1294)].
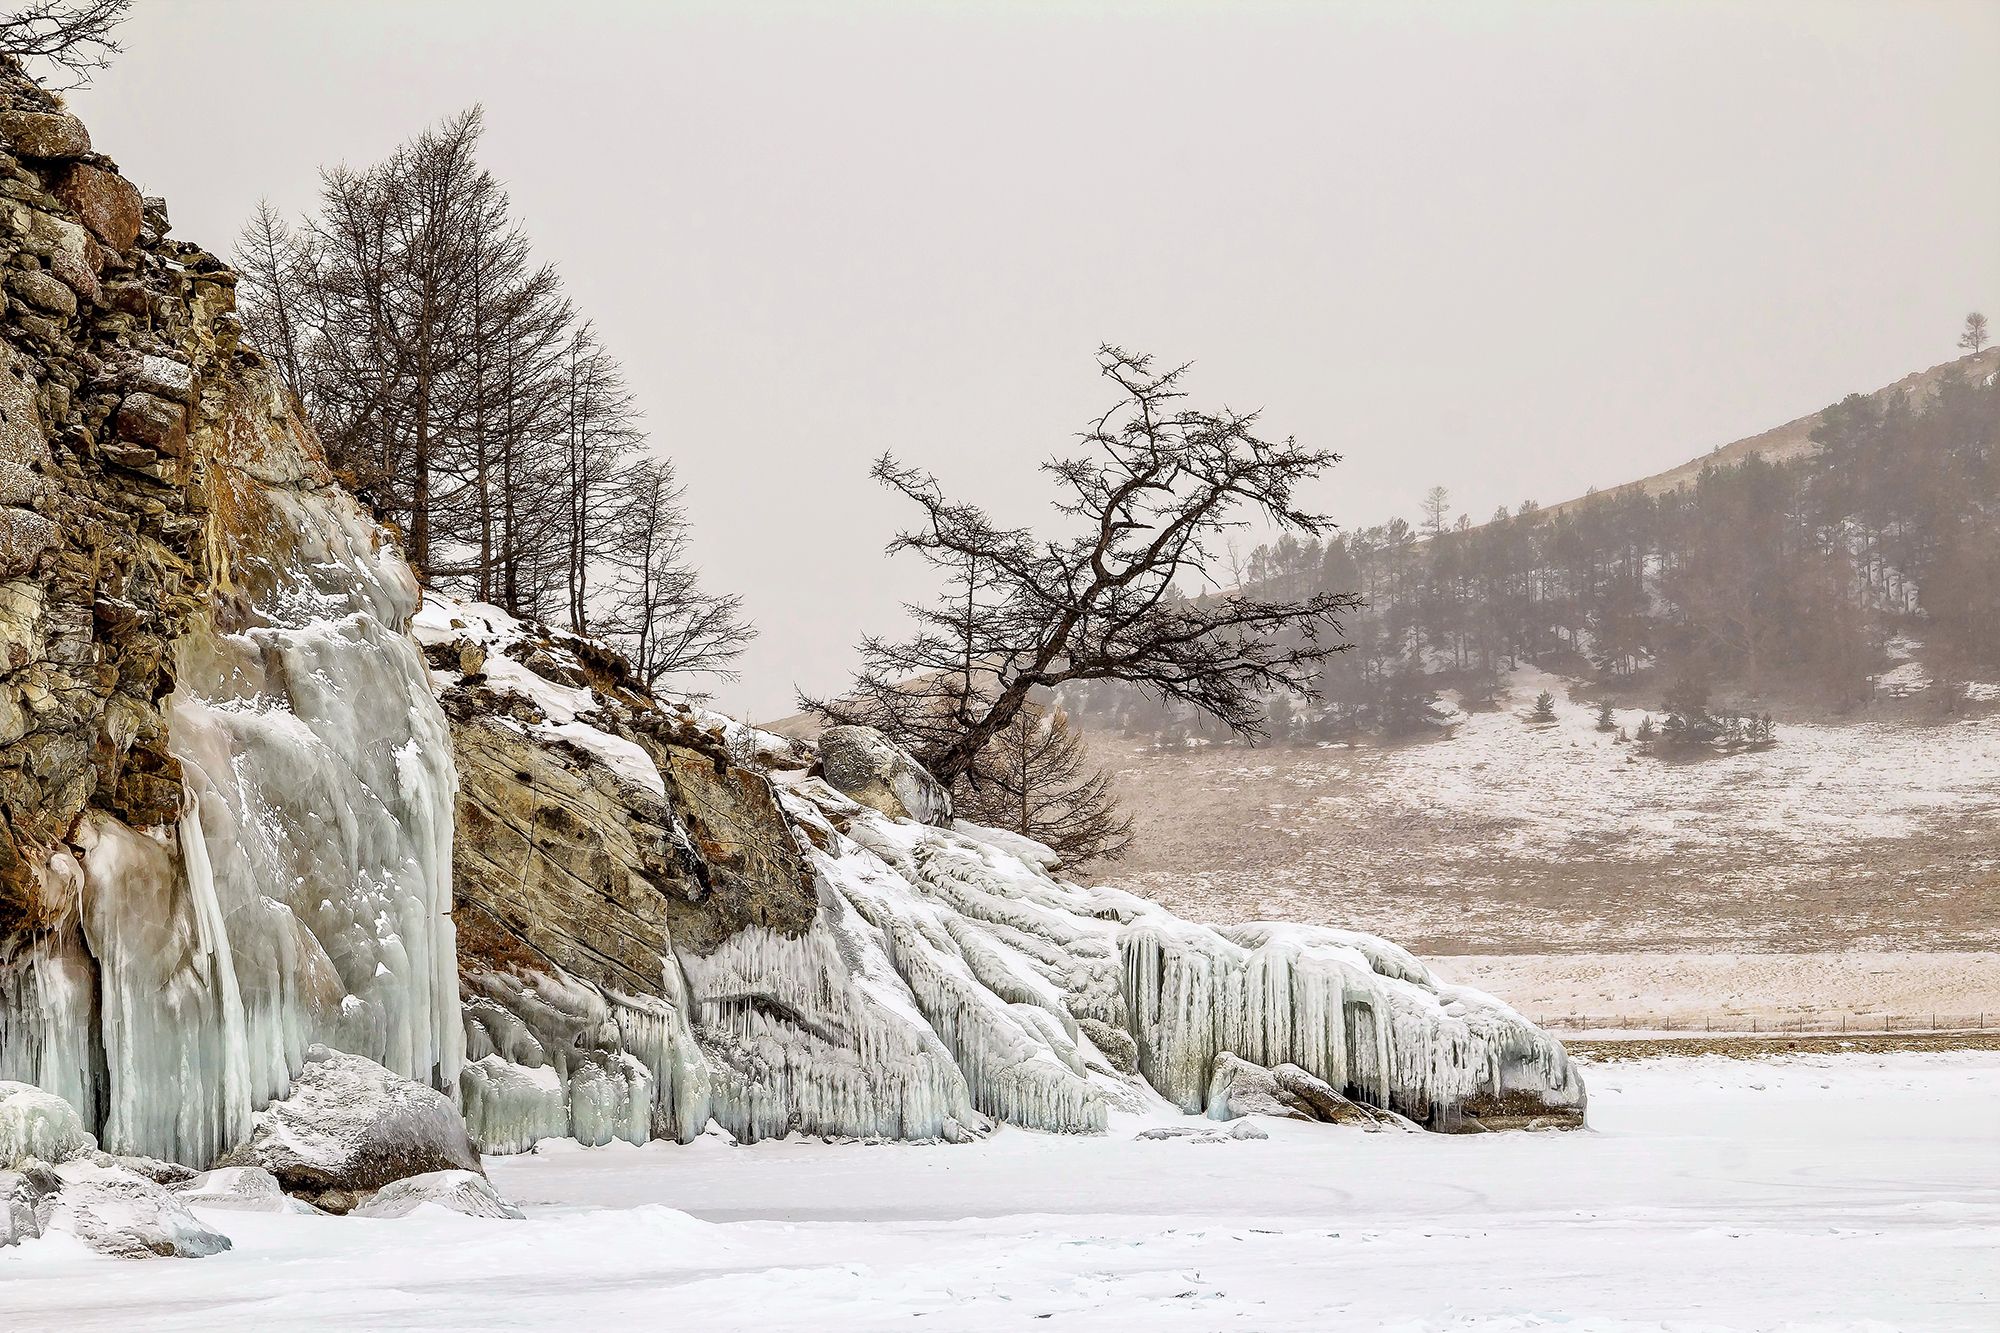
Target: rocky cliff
[(666, 917), (225, 785), (261, 795)]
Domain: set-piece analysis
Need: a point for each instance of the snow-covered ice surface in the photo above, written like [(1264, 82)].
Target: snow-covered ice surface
[(1731, 990), (1845, 1192)]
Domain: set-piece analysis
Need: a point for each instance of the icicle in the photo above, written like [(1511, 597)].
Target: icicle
[(556, 1057)]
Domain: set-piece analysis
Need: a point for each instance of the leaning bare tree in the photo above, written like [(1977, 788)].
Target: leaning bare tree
[(1036, 779), (1156, 488), (72, 35)]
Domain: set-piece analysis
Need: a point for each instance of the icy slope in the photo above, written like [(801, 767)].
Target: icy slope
[(942, 979)]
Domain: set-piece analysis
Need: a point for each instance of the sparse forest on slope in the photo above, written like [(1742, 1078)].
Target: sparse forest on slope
[(1850, 588), (465, 398), (1760, 575)]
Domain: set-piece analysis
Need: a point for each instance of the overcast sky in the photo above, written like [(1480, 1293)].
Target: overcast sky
[(1517, 250)]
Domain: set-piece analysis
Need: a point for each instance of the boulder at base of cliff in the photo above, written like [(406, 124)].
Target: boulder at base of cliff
[(22, 1195), (460, 1191), (862, 763), (249, 1189), (112, 1210), (349, 1127), (39, 1125), (1239, 1088)]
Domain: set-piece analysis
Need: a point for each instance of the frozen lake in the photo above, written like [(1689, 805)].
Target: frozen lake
[(1843, 1192)]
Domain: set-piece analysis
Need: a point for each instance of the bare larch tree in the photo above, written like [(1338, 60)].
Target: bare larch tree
[(1156, 488), (1035, 778), (464, 398)]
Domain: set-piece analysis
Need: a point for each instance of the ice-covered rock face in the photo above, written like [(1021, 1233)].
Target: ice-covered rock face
[(303, 895), (944, 978), (225, 782)]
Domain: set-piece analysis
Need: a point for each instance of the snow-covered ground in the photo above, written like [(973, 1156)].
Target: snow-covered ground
[(1881, 833), (1843, 1192)]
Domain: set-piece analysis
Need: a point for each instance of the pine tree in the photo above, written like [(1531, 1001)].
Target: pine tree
[(1283, 719), (1545, 709), (1606, 719), (1689, 724)]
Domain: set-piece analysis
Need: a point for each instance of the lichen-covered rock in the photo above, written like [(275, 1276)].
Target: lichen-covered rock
[(82, 720), (44, 292), (40, 1126), (44, 134), (862, 763), (459, 1191), (350, 1126), (109, 204)]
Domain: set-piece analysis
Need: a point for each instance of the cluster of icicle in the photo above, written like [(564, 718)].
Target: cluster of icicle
[(951, 980), (305, 894)]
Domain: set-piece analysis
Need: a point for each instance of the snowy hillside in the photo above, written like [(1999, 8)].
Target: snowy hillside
[(1509, 837)]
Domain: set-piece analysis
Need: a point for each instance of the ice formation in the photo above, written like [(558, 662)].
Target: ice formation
[(304, 895), (554, 1057), (948, 983), (40, 1125)]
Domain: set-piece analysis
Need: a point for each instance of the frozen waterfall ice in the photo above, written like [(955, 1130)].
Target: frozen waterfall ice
[(304, 895)]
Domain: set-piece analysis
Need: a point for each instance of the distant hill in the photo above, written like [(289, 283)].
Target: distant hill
[(1781, 444)]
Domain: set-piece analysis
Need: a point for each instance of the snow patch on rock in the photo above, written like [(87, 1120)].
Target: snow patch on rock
[(459, 1191)]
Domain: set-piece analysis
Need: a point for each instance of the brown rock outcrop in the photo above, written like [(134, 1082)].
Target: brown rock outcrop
[(102, 560), (44, 134), (108, 203), (561, 858)]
